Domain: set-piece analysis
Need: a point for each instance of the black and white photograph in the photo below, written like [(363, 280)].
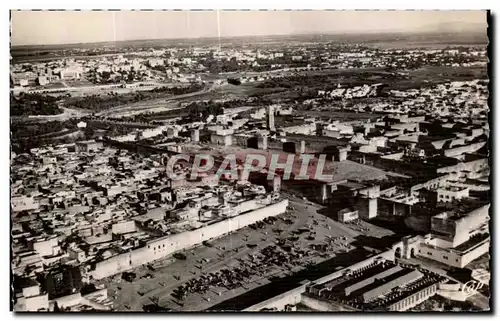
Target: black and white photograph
[(250, 161)]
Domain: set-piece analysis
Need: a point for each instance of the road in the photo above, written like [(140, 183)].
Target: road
[(153, 105)]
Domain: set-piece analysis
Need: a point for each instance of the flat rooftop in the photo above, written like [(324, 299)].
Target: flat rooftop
[(351, 185), (453, 188), (473, 241), (377, 285)]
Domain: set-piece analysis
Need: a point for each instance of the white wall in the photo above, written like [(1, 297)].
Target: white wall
[(453, 152), (123, 227), (474, 220), (323, 305), (450, 257), (395, 156), (474, 254), (279, 302), (165, 246), (46, 247), (473, 166), (31, 291), (37, 302), (23, 203), (424, 295), (68, 300)]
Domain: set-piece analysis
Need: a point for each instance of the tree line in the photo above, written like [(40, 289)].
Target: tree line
[(33, 104), (111, 100)]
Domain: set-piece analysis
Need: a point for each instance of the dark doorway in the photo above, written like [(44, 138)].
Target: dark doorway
[(289, 147), (398, 252), (253, 142)]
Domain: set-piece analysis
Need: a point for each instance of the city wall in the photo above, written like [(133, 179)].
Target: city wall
[(165, 246)]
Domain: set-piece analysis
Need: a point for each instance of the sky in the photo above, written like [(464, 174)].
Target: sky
[(62, 27)]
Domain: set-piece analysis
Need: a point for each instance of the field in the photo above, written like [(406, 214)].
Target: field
[(228, 91), (349, 77), (415, 79), (359, 76)]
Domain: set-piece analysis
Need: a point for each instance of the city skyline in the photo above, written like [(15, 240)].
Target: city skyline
[(53, 26)]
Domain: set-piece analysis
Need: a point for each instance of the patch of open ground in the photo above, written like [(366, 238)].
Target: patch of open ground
[(229, 252)]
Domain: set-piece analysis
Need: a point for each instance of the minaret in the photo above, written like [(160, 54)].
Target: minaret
[(195, 135), (270, 118)]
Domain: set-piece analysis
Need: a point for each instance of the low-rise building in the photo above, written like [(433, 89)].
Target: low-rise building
[(452, 193), (347, 215)]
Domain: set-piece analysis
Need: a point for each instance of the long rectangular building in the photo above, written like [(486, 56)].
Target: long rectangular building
[(374, 284)]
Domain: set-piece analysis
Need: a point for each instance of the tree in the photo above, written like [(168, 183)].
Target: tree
[(49, 285), (89, 132), (33, 104), (131, 76), (234, 81), (105, 75)]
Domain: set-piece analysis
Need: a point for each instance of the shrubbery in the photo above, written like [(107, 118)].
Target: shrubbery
[(33, 104)]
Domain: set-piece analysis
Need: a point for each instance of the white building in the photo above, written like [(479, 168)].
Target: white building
[(456, 240), (70, 74), (23, 203), (347, 215)]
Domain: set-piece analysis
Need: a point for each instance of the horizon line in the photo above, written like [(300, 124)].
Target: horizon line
[(383, 32)]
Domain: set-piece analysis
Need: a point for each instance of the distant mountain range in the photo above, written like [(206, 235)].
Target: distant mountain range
[(457, 33), (456, 27)]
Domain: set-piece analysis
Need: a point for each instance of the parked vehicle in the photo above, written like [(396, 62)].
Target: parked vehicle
[(128, 276), (180, 256)]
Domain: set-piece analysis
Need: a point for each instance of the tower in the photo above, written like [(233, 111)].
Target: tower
[(262, 142), (302, 147), (195, 135), (270, 118)]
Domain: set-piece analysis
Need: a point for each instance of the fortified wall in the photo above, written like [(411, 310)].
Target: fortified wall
[(165, 246)]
